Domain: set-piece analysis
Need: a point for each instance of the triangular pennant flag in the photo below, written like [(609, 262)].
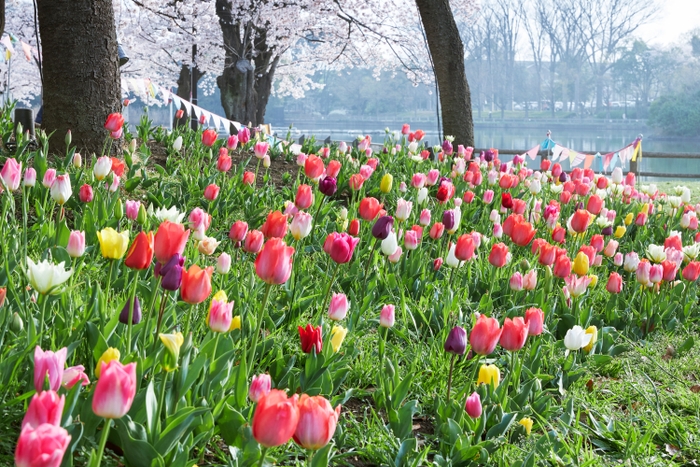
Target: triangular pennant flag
[(557, 152), (607, 159), (27, 51), (572, 156), (188, 107), (626, 154), (235, 124), (176, 100), (7, 42), (548, 144), (217, 121), (532, 153), (197, 110), (589, 161), (579, 159), (125, 86)]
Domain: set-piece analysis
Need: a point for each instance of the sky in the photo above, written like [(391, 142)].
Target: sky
[(675, 18)]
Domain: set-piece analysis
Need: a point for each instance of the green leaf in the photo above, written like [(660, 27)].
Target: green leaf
[(502, 427), (137, 453), (322, 456), (132, 183), (179, 423)]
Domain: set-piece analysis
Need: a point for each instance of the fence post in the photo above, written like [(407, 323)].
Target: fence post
[(633, 167)]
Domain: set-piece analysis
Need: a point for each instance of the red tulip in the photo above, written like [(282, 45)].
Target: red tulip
[(506, 200), (253, 241), (140, 254), (670, 270), (118, 167), (579, 221), (275, 225), (369, 208), (179, 114), (514, 334), (595, 205), (211, 192), (534, 318), (437, 230), (356, 181), (523, 232), (305, 197), (311, 338), (209, 137), (485, 335), (114, 122), (559, 234), (548, 254), (86, 193), (674, 241), (170, 238), (465, 247), (692, 271), (274, 262), (238, 231), (499, 255), (276, 418), (224, 163), (196, 284), (562, 266), (333, 168), (317, 422), (354, 228), (313, 167), (115, 389), (598, 242), (614, 284), (248, 178)]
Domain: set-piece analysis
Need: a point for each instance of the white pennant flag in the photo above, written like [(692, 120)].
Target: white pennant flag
[(558, 152), (217, 121), (188, 107)]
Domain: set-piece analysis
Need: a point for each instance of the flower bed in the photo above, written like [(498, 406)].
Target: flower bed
[(199, 313)]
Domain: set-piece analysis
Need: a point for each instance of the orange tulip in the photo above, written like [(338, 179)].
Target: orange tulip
[(140, 254), (170, 238), (196, 284), (275, 419)]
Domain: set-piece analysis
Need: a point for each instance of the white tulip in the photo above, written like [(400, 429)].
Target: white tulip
[(45, 276), (172, 215), (576, 338), (102, 167), (617, 175), (656, 253), (177, 144), (422, 195), (452, 260), (390, 244)]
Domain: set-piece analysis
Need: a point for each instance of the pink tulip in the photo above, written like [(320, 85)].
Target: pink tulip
[(220, 315), (132, 209), (30, 177), (76, 244), (516, 281), (338, 308), (433, 176), (211, 192), (45, 407), (387, 316), (49, 177), (274, 262), (115, 390), (530, 280), (11, 174), (317, 422), (223, 263), (534, 318), (340, 247), (485, 335), (275, 419), (411, 240), (43, 446), (418, 181), (259, 387), (48, 363), (614, 284), (473, 405), (488, 196), (514, 334), (261, 149), (74, 375)]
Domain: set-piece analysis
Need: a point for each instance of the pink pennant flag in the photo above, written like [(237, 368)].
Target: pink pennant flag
[(607, 159), (27, 49), (532, 153), (589, 161)]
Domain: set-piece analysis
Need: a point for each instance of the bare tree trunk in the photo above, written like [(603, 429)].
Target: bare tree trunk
[(2, 16), (81, 70), (184, 90), (446, 50)]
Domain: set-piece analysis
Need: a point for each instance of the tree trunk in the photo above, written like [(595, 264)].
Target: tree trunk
[(447, 53), (81, 71), (2, 16), (184, 91), (263, 89)]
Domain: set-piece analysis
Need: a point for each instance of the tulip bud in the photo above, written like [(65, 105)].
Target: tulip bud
[(142, 215), (223, 263), (77, 160), (456, 342), (17, 325), (135, 313), (473, 406), (132, 146), (177, 144), (260, 386), (68, 138)]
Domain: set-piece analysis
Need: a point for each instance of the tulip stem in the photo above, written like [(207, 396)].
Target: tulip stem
[(161, 402), (315, 219), (476, 369), (449, 377), (154, 294), (213, 355), (132, 298), (109, 282), (258, 326), (44, 300), (103, 441), (328, 290), (263, 452), (369, 262), (163, 301)]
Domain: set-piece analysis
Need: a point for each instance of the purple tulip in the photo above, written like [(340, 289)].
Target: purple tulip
[(448, 219), (456, 342), (328, 186), (135, 317), (382, 227), (171, 272)]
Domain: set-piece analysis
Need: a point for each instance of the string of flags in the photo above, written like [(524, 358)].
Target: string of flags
[(606, 161), (10, 41)]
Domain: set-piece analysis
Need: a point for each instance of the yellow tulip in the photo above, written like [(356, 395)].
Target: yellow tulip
[(629, 218), (645, 208), (593, 331), (489, 374), (581, 264), (338, 334), (108, 355), (112, 243), (594, 279), (620, 231), (527, 423), (386, 183), (235, 323), (172, 343)]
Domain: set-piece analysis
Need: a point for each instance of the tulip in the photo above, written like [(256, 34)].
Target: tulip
[(49, 178), (171, 272), (177, 144), (670, 271), (656, 273), (631, 262), (333, 169), (534, 318), (692, 271), (248, 178), (136, 313), (115, 390), (485, 335), (223, 263), (170, 239), (340, 247), (527, 423), (437, 264), (132, 209), (579, 221), (74, 375), (390, 244), (11, 174), (259, 387), (562, 266), (172, 343), (473, 406), (253, 241), (317, 422), (76, 244), (530, 280), (403, 209), (118, 167), (514, 334), (386, 183), (304, 198), (576, 338), (45, 407), (196, 284), (275, 225), (211, 192), (43, 446), (113, 244), (437, 230), (275, 419), (311, 338), (114, 122), (301, 225), (489, 374), (387, 316), (140, 253), (107, 356), (382, 227), (424, 219), (328, 186), (45, 277), (522, 233), (274, 262), (465, 247), (220, 316), (29, 177), (207, 245), (61, 189), (411, 240), (516, 282), (48, 364), (369, 208), (224, 162), (581, 264), (209, 137), (260, 149), (577, 285), (338, 307), (313, 167), (499, 255), (244, 135), (456, 342)]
